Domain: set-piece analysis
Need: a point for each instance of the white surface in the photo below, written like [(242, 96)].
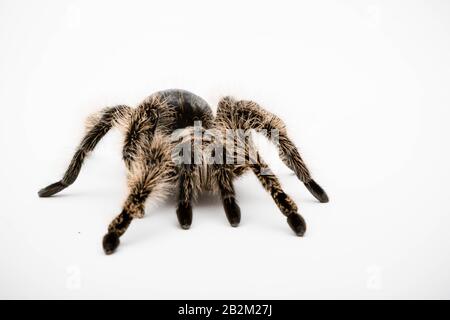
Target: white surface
[(363, 87)]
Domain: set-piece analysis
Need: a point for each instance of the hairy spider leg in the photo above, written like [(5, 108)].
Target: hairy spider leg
[(152, 176), (249, 115), (97, 127), (286, 205)]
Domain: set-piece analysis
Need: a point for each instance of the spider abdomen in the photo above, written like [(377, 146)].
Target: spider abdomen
[(188, 108)]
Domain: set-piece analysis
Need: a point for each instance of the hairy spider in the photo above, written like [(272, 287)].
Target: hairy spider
[(168, 147)]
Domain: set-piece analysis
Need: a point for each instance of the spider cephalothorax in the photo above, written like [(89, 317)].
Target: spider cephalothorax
[(163, 153)]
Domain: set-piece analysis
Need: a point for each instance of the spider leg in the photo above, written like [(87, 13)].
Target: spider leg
[(152, 175), (97, 127), (223, 173), (249, 115), (140, 130), (219, 175), (286, 205), (224, 178), (186, 193)]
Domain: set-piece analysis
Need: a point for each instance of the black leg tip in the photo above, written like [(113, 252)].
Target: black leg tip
[(110, 242), (234, 224), (52, 189), (184, 214), (232, 211), (317, 191), (185, 226), (297, 224)]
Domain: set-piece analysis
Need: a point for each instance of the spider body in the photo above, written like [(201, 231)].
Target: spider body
[(174, 143), (188, 108)]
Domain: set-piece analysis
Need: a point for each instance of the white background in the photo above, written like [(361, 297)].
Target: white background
[(362, 85)]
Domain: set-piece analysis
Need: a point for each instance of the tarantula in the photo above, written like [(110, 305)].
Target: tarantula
[(158, 164)]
